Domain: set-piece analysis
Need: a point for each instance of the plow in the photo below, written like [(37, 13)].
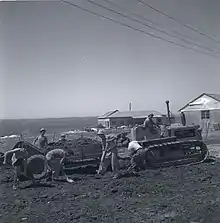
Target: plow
[(83, 161)]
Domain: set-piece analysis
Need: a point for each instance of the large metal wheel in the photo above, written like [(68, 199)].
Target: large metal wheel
[(37, 165)]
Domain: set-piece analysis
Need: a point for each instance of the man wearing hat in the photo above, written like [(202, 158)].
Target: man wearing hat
[(102, 165), (109, 153), (63, 138), (41, 141), (150, 124), (64, 143), (102, 136)]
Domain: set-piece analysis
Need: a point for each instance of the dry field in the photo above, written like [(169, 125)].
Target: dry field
[(176, 194)]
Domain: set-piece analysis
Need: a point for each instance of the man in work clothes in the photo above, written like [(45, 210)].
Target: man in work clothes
[(41, 141), (102, 166), (150, 124), (18, 159), (64, 144), (109, 152), (55, 159), (137, 155), (122, 140)]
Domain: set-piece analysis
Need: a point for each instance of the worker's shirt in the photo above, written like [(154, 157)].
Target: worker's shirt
[(133, 147), (123, 142), (41, 142), (63, 142), (55, 154), (149, 123)]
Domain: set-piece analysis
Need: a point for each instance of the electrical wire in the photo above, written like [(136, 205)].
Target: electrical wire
[(177, 21), (149, 20), (138, 30), (153, 27)]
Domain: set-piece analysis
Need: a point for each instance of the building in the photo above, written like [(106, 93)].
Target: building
[(105, 119), (204, 111), (128, 118)]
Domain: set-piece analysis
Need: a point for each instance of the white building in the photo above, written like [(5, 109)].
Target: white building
[(204, 111)]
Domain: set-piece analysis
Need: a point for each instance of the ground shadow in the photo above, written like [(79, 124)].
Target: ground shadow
[(49, 185)]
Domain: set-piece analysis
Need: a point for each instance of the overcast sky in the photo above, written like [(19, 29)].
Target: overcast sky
[(57, 61)]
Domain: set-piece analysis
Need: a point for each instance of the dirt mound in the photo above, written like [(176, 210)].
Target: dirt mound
[(86, 142), (76, 143), (83, 148)]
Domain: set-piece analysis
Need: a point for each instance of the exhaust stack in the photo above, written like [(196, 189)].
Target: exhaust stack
[(168, 112), (130, 106)]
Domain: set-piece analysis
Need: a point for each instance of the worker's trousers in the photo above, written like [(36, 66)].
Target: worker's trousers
[(56, 167), (110, 158), (138, 160)]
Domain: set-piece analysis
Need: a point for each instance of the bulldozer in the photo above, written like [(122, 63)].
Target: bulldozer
[(177, 145)]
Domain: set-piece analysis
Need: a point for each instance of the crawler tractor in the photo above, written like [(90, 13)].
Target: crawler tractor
[(178, 145)]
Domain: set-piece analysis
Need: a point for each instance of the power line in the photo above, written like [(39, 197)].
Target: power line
[(177, 21), (135, 14), (149, 20), (136, 29), (151, 27)]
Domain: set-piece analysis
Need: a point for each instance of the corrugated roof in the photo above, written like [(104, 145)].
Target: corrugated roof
[(134, 114), (107, 114), (214, 96)]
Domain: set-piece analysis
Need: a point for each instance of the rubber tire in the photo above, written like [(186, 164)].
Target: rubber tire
[(2, 155), (36, 162)]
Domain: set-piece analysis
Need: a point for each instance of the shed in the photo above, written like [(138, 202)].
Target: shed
[(130, 118), (203, 110)]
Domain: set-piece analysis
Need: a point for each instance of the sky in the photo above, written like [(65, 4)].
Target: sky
[(59, 61)]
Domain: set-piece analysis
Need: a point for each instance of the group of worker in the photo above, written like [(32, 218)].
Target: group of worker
[(110, 147), (136, 151), (55, 158)]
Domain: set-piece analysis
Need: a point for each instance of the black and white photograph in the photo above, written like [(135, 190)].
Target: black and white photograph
[(110, 111)]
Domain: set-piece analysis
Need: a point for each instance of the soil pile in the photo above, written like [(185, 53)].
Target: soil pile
[(80, 143), (83, 148)]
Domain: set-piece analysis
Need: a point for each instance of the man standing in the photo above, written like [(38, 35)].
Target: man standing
[(109, 152), (101, 135), (64, 144), (150, 124), (41, 141), (122, 140), (102, 166), (63, 138)]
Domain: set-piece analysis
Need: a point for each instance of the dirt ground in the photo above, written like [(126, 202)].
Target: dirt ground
[(175, 194)]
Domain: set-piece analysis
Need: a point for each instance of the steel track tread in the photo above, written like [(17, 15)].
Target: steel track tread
[(190, 152)]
